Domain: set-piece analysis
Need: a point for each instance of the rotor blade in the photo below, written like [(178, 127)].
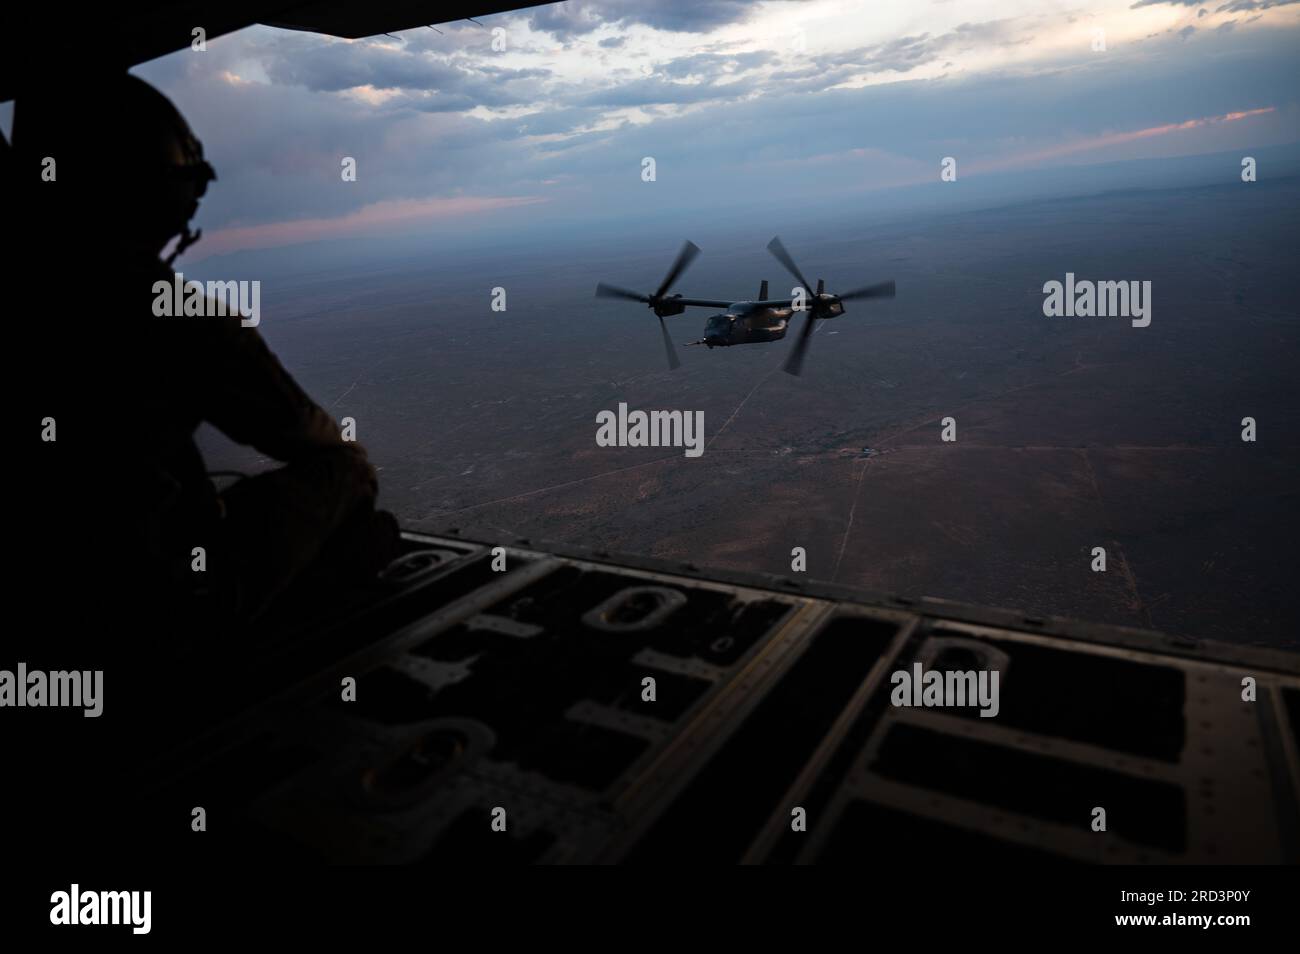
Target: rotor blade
[(684, 259), (673, 363), (882, 290), (794, 363), (613, 291), (782, 256)]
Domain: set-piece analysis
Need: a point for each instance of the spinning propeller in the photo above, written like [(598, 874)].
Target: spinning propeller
[(818, 304), (658, 303)]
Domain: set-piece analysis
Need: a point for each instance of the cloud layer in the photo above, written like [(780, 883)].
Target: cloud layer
[(555, 108)]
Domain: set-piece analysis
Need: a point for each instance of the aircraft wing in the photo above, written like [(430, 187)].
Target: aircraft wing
[(702, 302)]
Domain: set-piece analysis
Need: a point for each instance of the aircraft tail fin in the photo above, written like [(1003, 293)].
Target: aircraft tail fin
[(762, 291)]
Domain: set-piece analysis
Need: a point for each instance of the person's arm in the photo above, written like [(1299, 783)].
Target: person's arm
[(252, 399)]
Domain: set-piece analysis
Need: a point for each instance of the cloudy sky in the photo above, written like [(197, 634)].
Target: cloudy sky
[(736, 101)]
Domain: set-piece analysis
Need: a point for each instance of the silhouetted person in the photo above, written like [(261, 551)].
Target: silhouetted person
[(129, 388)]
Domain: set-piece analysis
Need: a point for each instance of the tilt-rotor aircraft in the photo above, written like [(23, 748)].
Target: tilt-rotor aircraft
[(748, 322)]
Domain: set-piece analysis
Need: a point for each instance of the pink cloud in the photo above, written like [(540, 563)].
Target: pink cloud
[(382, 216), (1120, 138)]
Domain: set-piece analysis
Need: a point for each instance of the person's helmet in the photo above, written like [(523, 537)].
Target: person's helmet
[(170, 151), (136, 160)]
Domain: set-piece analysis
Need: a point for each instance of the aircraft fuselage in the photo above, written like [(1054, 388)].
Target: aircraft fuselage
[(751, 322)]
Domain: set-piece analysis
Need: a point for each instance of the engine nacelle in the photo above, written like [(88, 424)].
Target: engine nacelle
[(666, 308), (829, 307)]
